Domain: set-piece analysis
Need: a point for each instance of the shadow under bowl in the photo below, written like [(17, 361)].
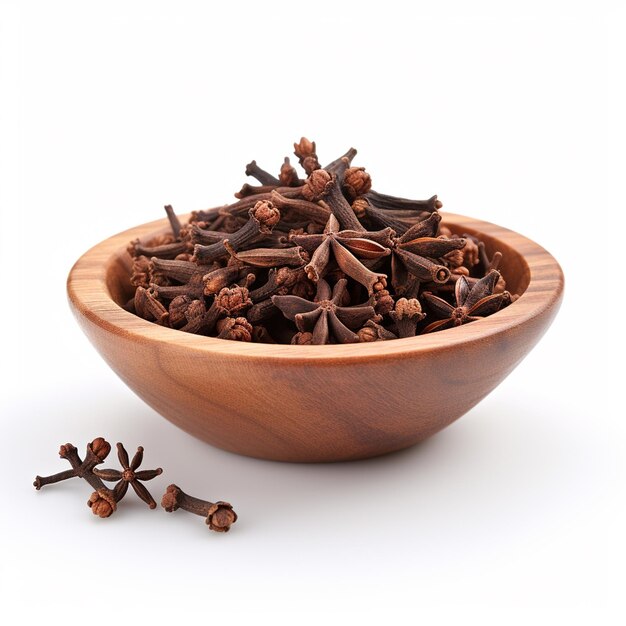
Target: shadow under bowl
[(315, 403)]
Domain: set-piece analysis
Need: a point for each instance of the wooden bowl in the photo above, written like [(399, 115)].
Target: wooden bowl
[(315, 403)]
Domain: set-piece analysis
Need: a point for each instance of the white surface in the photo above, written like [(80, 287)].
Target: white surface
[(107, 112)]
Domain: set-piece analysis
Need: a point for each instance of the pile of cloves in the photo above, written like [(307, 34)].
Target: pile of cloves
[(314, 260), (219, 516)]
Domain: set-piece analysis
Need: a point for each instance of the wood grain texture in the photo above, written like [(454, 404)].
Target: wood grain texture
[(315, 403)]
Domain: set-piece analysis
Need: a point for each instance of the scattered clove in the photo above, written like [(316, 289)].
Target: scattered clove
[(97, 452), (129, 476), (219, 515), (103, 502)]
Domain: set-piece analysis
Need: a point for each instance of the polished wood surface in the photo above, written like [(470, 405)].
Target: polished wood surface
[(315, 403)]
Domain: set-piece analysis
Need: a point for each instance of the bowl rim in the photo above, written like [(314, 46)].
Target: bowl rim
[(89, 297)]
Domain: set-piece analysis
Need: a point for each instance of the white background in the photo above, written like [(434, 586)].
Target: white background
[(108, 111)]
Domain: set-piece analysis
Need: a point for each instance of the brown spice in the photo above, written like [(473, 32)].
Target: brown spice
[(103, 502), (326, 318), (356, 182), (220, 516), (286, 235), (343, 245), (263, 217), (97, 451), (129, 475), (471, 302), (305, 151), (235, 329), (406, 315)]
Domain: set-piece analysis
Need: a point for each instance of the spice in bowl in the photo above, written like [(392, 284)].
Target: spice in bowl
[(322, 259)]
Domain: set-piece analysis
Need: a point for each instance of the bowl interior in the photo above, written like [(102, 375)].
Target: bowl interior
[(513, 266)]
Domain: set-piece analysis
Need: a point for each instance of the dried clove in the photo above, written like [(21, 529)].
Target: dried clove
[(326, 316), (219, 515), (263, 217), (310, 240), (103, 502), (129, 475), (97, 452)]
